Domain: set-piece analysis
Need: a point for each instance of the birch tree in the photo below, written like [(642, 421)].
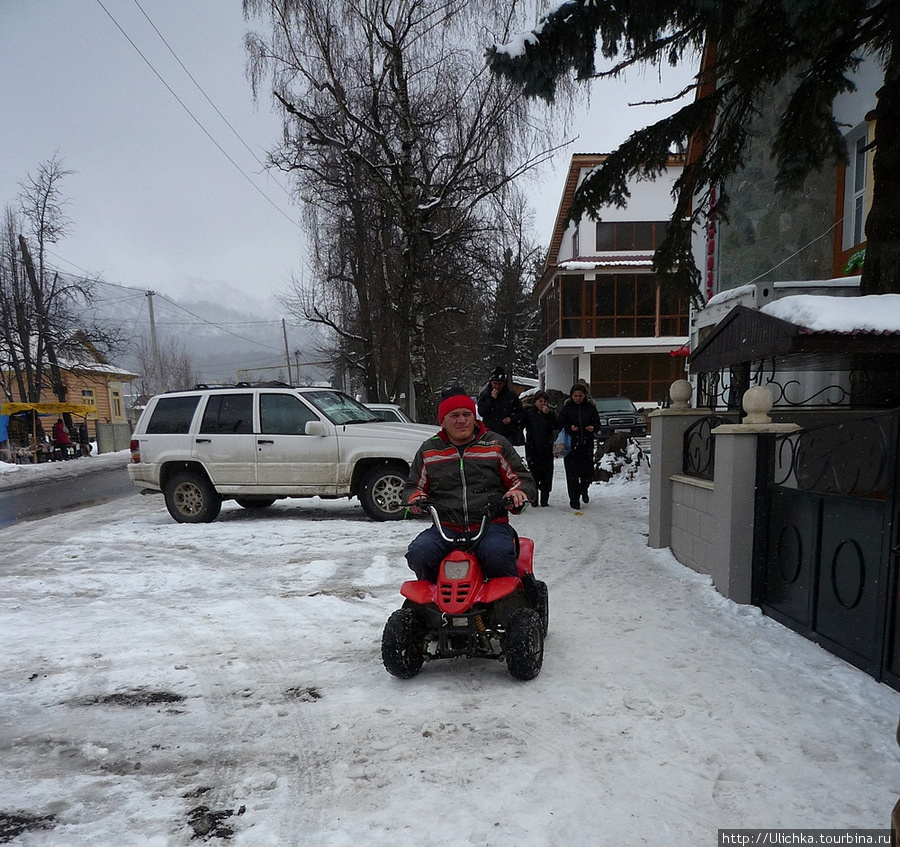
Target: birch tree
[(400, 136)]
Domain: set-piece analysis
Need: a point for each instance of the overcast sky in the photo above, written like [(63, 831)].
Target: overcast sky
[(154, 203)]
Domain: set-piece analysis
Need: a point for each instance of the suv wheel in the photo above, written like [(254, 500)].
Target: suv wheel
[(190, 498), (381, 493)]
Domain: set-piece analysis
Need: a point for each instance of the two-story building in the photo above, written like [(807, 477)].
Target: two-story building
[(605, 318)]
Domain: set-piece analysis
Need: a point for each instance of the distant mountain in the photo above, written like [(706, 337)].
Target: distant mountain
[(225, 342)]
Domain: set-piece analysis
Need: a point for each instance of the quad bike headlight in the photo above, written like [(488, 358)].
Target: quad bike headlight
[(456, 569)]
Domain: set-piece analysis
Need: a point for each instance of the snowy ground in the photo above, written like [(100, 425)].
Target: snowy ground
[(17, 476), (157, 677)]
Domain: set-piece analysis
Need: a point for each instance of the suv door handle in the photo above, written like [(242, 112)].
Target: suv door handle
[(265, 441), (203, 441)]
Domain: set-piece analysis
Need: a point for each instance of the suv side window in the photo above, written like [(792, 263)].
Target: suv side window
[(173, 415), (283, 414), (228, 413)]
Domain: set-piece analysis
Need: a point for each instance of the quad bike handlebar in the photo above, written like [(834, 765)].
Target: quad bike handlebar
[(465, 538)]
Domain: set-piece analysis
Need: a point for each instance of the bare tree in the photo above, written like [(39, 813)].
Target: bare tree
[(176, 364), (397, 133), (40, 329)]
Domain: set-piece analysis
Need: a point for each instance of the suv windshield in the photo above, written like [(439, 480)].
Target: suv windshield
[(615, 404), (339, 408)]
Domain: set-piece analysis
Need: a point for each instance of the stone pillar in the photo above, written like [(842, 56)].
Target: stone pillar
[(734, 502), (666, 455)]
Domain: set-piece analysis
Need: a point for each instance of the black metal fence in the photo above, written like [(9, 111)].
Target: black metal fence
[(699, 447), (825, 557)]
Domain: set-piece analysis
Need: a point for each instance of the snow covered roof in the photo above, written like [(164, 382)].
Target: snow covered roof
[(874, 313), (807, 330), (98, 368), (636, 261)]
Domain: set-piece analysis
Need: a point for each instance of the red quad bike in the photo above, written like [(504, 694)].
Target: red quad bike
[(463, 614)]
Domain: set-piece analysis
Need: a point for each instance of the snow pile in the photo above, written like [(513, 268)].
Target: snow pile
[(166, 683), (623, 461)]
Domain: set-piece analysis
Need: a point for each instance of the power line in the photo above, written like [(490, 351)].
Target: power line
[(197, 121), (133, 294), (210, 323), (206, 96), (795, 253)]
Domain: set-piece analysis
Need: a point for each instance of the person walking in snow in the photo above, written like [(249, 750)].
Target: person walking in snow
[(541, 427), (500, 407), (580, 419)]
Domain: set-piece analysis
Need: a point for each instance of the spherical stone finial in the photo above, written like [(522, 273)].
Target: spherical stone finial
[(680, 393), (757, 402)]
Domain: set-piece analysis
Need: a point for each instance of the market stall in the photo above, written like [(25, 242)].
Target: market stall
[(27, 440)]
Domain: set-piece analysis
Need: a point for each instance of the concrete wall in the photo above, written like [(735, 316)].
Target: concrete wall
[(113, 437), (709, 526), (693, 523)]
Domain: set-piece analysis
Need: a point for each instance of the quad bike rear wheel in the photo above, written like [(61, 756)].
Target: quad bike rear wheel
[(543, 606), (402, 643), (524, 644), (538, 597)]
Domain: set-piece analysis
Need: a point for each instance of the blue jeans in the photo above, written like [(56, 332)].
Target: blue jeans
[(496, 552)]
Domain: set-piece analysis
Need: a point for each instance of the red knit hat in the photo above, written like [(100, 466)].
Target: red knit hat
[(457, 401)]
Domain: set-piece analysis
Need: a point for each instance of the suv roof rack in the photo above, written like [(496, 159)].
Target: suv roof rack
[(202, 386)]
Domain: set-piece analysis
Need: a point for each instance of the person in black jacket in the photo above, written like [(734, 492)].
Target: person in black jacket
[(541, 428), (580, 419), (500, 408)]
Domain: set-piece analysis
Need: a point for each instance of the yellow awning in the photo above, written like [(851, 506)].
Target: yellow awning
[(80, 409)]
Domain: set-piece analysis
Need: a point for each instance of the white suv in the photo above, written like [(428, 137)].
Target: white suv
[(258, 445)]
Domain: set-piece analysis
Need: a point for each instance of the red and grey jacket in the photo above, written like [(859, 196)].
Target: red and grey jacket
[(463, 480)]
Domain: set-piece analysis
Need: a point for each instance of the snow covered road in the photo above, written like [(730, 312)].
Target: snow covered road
[(157, 677)]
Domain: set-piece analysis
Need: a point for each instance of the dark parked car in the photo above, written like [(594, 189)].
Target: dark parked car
[(619, 414)]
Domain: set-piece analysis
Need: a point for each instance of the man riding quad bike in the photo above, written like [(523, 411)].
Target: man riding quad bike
[(461, 474), (463, 614)]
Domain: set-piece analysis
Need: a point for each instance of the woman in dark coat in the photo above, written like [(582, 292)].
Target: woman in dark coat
[(541, 428), (580, 419)]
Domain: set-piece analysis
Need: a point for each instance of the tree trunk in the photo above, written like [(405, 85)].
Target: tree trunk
[(881, 271), (59, 387)]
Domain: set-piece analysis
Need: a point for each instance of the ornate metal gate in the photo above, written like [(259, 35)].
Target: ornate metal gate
[(826, 546)]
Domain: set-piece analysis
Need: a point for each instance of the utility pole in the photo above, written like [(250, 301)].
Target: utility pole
[(297, 364), (153, 344), (287, 352)]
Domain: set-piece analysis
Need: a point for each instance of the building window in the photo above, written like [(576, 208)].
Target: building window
[(576, 243), (642, 377), (87, 397), (859, 187), (856, 187), (117, 409), (611, 306), (630, 235)]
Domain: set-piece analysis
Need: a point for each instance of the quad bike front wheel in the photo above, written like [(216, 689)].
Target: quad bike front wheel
[(402, 643), (524, 644)]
